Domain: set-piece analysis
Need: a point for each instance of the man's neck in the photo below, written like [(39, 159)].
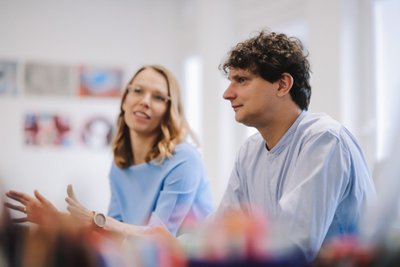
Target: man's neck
[(274, 131)]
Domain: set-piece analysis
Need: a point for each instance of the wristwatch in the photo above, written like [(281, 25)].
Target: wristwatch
[(99, 220)]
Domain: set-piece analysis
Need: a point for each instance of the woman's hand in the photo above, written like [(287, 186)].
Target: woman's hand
[(37, 209), (76, 209)]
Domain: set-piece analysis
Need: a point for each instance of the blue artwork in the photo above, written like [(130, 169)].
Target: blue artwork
[(95, 81)]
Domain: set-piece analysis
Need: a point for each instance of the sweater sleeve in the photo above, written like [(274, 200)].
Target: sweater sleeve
[(114, 208), (178, 193)]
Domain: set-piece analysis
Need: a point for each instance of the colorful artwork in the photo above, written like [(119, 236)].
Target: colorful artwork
[(97, 132), (100, 82), (45, 129), (8, 77), (48, 79)]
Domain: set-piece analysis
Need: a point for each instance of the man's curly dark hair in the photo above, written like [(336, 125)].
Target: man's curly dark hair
[(271, 54)]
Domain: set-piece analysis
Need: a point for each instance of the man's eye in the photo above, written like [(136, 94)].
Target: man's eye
[(241, 80)]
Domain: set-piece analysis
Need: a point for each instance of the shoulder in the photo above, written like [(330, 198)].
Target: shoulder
[(319, 125), (184, 153), (322, 128), (186, 150), (185, 162)]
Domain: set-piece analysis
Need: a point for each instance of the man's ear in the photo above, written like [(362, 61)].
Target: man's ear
[(285, 84)]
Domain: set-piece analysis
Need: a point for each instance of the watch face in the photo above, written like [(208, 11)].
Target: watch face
[(99, 219)]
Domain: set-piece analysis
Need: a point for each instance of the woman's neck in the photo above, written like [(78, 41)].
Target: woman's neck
[(141, 145)]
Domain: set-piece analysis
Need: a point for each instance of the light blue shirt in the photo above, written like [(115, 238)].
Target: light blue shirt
[(169, 194), (314, 182)]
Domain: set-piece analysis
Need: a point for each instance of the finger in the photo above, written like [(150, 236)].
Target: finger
[(20, 220), (70, 201), (74, 212), (75, 203), (18, 196), (15, 207), (40, 197), (70, 192)]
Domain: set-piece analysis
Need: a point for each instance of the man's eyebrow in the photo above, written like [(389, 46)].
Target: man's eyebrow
[(237, 76)]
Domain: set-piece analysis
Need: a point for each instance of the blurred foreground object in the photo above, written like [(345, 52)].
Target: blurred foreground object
[(237, 239)]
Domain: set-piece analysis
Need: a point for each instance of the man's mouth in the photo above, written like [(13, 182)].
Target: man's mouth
[(236, 107)]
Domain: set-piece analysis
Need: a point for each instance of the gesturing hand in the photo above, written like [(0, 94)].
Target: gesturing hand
[(76, 209), (37, 209)]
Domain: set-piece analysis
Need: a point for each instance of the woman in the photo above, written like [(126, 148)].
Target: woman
[(156, 178)]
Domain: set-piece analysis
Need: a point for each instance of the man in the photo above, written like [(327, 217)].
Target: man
[(304, 171)]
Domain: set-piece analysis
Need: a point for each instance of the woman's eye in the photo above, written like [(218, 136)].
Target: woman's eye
[(159, 98), (137, 90)]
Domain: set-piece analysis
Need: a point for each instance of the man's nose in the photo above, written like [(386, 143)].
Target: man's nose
[(228, 94)]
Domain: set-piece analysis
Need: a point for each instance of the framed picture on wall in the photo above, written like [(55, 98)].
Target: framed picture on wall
[(8, 77), (100, 81), (97, 132), (46, 129), (48, 79)]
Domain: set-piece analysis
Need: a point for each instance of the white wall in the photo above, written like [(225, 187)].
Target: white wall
[(122, 33)]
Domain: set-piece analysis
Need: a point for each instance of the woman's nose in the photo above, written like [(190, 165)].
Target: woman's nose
[(146, 99)]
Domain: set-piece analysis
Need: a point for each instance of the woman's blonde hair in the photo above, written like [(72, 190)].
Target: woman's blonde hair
[(173, 129)]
